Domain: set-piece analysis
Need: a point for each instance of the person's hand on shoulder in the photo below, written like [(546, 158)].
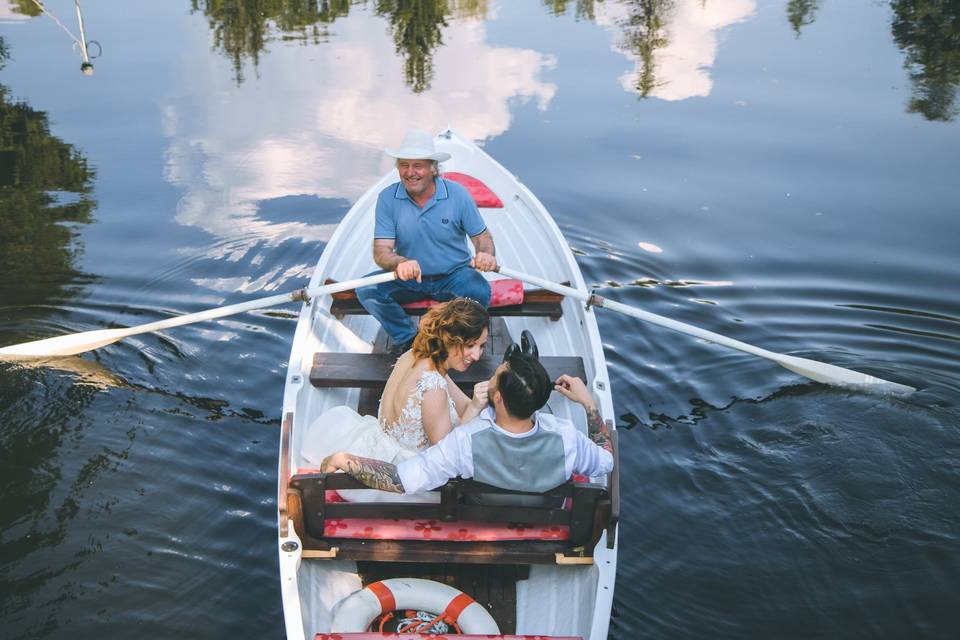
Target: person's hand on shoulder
[(483, 262), (574, 389), (480, 390), (408, 270), (334, 462)]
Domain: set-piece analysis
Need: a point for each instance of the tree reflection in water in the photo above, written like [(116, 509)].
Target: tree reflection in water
[(585, 9), (243, 28), (416, 33), (928, 32), (45, 187), (801, 13), (645, 31)]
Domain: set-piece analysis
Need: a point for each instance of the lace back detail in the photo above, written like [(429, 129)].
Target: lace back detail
[(408, 427)]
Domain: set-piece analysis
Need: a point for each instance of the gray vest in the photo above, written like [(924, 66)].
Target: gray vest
[(533, 463)]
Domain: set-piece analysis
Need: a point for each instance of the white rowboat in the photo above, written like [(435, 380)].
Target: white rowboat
[(538, 585)]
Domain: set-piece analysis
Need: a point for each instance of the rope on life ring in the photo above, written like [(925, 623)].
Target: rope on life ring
[(359, 609)]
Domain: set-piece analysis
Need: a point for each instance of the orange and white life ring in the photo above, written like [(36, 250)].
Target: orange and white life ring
[(359, 609)]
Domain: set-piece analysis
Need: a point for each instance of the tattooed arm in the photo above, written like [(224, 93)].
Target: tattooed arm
[(376, 474), (574, 389)]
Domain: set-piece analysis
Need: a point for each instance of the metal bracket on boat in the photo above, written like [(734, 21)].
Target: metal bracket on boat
[(595, 301), (562, 558), (318, 553), (300, 295)]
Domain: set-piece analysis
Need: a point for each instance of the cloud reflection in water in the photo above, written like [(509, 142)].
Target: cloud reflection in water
[(321, 130)]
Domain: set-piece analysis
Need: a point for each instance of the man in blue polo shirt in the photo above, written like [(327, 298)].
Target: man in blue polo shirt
[(422, 223)]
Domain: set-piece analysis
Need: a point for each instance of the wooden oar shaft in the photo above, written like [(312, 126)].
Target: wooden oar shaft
[(259, 303), (819, 371), (75, 343)]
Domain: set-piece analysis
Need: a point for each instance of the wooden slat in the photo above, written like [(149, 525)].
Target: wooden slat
[(371, 370), (529, 308), (500, 552), (536, 302), (286, 434)]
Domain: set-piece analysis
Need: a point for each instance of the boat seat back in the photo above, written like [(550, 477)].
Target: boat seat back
[(456, 526)]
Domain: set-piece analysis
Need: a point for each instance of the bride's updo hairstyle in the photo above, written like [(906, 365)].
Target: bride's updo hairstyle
[(447, 327)]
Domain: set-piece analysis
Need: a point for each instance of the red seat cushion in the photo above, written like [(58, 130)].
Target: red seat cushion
[(458, 531), (503, 292), (481, 193)]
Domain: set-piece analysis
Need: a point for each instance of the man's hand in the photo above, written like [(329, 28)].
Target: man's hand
[(333, 462), (483, 261), (575, 389), (408, 270), (376, 474)]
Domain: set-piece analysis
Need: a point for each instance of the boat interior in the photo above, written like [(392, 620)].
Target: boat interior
[(541, 564), (477, 538)]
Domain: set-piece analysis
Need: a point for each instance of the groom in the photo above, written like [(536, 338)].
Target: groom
[(509, 445)]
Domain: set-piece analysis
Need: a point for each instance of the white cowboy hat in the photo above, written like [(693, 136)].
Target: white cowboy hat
[(418, 145)]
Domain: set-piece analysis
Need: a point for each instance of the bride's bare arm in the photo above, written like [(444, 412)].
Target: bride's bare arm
[(435, 415), (468, 408), (460, 399)]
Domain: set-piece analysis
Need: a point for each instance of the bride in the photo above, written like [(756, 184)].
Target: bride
[(420, 403)]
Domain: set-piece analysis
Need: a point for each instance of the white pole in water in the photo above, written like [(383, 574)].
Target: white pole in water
[(86, 67)]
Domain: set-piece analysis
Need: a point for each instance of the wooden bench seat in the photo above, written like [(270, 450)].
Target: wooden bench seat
[(371, 370), (536, 303), (589, 514)]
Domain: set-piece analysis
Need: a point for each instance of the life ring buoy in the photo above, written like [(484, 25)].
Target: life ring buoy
[(359, 609)]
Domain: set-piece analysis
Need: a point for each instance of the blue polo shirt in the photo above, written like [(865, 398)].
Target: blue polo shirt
[(435, 236)]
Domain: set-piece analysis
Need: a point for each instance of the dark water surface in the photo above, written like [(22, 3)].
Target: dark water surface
[(783, 172)]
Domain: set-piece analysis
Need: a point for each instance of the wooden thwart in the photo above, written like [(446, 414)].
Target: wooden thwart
[(371, 370), (536, 303)]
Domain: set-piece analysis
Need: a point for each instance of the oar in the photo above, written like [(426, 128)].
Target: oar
[(819, 371), (74, 343)]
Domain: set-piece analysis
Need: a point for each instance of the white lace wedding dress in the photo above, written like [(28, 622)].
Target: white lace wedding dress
[(343, 429)]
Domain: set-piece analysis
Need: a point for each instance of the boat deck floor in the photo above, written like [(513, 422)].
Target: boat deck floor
[(493, 586)]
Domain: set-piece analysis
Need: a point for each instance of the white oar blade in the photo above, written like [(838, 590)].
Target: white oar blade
[(67, 345), (838, 376), (79, 342), (819, 371)]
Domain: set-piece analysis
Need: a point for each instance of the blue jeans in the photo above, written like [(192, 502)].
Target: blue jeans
[(383, 301)]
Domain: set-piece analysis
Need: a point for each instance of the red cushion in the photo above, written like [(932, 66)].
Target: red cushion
[(503, 292), (378, 635), (481, 193), (459, 531)]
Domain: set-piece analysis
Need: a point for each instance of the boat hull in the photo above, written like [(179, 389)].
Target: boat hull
[(554, 599)]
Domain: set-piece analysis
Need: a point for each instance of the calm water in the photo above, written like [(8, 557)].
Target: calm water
[(783, 172)]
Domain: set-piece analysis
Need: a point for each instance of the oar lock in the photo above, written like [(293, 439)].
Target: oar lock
[(595, 301), (300, 295)]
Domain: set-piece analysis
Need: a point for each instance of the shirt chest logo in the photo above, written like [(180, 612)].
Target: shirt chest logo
[(445, 220)]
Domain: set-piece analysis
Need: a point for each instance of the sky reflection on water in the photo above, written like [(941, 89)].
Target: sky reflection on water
[(780, 171)]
